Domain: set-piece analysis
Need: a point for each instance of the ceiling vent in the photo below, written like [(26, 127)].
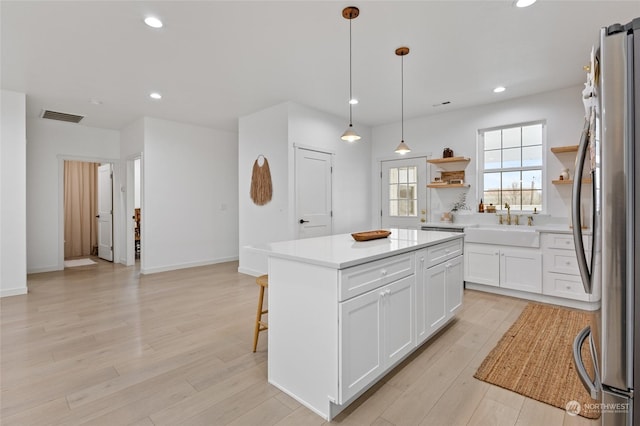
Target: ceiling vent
[(61, 116)]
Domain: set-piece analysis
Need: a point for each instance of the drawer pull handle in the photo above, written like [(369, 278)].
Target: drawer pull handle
[(388, 291), (447, 251), (383, 272), (382, 293), (568, 287), (568, 262)]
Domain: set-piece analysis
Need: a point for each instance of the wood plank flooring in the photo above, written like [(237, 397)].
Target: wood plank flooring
[(103, 345)]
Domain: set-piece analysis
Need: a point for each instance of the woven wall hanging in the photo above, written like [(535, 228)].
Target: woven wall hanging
[(261, 189)]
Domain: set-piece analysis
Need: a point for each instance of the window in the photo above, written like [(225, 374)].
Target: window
[(403, 191), (510, 166)]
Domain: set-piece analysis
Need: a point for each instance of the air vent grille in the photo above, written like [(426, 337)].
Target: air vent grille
[(61, 116)]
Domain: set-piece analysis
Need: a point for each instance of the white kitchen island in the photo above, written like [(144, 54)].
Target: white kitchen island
[(342, 313)]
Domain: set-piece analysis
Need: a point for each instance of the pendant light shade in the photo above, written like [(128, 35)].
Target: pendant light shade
[(350, 135), (403, 148)]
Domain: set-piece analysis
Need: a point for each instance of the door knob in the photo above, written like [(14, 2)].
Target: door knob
[(303, 221)]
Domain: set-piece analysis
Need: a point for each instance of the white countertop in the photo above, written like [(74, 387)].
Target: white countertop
[(342, 251)]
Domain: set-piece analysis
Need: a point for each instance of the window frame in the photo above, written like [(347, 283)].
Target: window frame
[(481, 170)]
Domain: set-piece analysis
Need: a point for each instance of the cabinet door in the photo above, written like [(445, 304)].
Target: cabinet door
[(454, 285), (361, 358), (482, 264), (521, 269), (398, 305), (435, 295)]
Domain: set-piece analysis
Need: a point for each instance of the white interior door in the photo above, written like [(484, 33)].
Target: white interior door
[(313, 193), (404, 193), (105, 212)]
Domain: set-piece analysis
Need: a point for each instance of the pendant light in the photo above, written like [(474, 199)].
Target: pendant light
[(403, 148), (350, 135)]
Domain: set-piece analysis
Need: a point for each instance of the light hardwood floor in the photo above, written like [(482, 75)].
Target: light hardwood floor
[(102, 345)]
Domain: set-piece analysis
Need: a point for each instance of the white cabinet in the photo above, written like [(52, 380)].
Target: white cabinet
[(439, 291), (561, 274), (507, 267), (338, 322), (521, 269), (376, 331), (482, 264)]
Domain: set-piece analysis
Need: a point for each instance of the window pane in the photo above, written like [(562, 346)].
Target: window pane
[(492, 140), (393, 175), (412, 192), (532, 135), (532, 179), (403, 192), (532, 199), (393, 192), (393, 208), (413, 209), (492, 159), (511, 137), (403, 207), (492, 181), (491, 197), (511, 189), (412, 174), (511, 157), (402, 175), (532, 155)]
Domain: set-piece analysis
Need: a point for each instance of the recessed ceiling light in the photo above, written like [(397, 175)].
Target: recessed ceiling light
[(524, 3), (155, 95), (153, 22), (499, 89), (353, 101)]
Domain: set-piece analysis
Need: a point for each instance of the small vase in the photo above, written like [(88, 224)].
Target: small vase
[(565, 174)]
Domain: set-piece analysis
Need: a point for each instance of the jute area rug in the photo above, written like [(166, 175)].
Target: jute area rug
[(535, 358)]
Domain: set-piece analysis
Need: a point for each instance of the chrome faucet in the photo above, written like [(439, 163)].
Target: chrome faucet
[(508, 207)]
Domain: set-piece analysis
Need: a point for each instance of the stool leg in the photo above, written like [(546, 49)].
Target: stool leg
[(258, 318)]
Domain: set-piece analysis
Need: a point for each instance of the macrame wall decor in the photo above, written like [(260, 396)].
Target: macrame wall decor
[(261, 189)]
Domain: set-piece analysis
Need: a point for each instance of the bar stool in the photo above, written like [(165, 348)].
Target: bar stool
[(263, 282)]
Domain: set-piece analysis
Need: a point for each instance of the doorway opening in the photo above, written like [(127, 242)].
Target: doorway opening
[(87, 212)]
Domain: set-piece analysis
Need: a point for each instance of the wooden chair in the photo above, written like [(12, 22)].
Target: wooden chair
[(263, 282)]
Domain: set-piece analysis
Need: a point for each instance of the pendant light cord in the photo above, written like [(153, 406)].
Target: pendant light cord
[(350, 78), (402, 98)]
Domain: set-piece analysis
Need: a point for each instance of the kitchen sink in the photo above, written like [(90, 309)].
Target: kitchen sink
[(506, 235)]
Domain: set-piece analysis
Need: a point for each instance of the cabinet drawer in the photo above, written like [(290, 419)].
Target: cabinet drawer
[(444, 251), (563, 261), (564, 285), (362, 278), (563, 241)]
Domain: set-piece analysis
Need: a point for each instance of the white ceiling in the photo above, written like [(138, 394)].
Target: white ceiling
[(215, 61)]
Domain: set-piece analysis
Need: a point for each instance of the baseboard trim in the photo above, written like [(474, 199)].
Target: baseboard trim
[(155, 270), (543, 298), (44, 269), (251, 272), (14, 292)]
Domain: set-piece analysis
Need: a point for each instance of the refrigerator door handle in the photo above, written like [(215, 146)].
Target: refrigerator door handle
[(575, 209), (592, 386)]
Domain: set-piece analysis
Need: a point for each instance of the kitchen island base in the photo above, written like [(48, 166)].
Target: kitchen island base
[(334, 332)]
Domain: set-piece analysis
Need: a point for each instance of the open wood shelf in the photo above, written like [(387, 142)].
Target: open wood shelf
[(448, 185), (448, 160), (569, 181), (561, 149)]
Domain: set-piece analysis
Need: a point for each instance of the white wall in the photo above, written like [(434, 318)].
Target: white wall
[(190, 196), (562, 110), (49, 143), (274, 132), (13, 226), (131, 146), (266, 133)]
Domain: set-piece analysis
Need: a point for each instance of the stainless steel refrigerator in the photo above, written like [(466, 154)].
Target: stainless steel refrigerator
[(610, 150)]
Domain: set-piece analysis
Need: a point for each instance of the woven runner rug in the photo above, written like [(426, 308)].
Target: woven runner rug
[(535, 358)]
